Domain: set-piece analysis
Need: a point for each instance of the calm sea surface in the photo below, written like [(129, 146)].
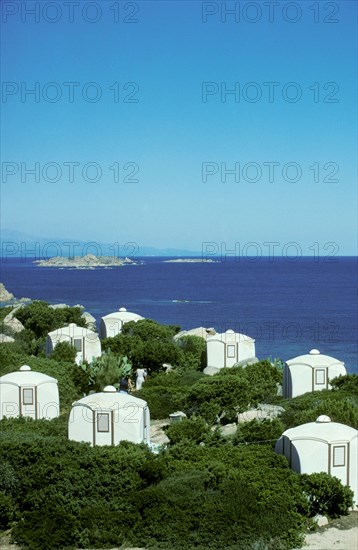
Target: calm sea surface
[(289, 307)]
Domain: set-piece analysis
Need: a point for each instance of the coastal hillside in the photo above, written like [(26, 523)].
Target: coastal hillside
[(212, 480)]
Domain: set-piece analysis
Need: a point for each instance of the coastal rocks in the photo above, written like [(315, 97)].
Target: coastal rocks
[(8, 297), (228, 429), (90, 261), (157, 435), (246, 362), (168, 368), (5, 295), (262, 412), (90, 320), (5, 339), (321, 521), (199, 331), (211, 370), (12, 323)]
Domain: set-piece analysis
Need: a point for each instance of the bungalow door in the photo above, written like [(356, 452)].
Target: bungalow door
[(103, 432), (28, 401), (320, 379), (78, 344), (339, 461)]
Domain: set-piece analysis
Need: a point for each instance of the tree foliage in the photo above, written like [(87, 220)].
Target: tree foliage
[(230, 391), (147, 344), (41, 319), (64, 351), (263, 431), (340, 406), (347, 383), (326, 495), (193, 429)]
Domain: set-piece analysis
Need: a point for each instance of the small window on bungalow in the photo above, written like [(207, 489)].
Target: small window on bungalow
[(77, 342), (320, 375), (28, 396), (230, 351), (103, 422), (339, 455)]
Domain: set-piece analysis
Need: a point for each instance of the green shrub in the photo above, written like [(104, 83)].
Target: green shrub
[(326, 495), (194, 350), (64, 351), (218, 397), (40, 318), (166, 393), (265, 431), (191, 429), (147, 344), (347, 383), (340, 406), (213, 500), (7, 510)]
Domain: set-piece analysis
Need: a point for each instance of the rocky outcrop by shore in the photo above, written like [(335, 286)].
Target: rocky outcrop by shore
[(5, 295), (90, 261)]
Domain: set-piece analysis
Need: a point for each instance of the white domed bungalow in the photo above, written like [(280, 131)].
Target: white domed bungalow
[(86, 342), (226, 349), (323, 446), (112, 324), (310, 372), (29, 393), (109, 417)]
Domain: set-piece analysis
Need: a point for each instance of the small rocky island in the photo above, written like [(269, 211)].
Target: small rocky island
[(90, 261)]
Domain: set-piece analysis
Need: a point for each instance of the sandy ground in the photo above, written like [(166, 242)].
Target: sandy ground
[(340, 534)]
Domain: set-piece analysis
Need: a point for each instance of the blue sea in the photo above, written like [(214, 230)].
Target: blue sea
[(289, 307)]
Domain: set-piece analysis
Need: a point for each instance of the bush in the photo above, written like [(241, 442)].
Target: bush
[(347, 383), (190, 429), (194, 350), (147, 344), (64, 351), (221, 497), (40, 318), (340, 406), (326, 495), (166, 393), (7, 510), (263, 431), (218, 398), (59, 507)]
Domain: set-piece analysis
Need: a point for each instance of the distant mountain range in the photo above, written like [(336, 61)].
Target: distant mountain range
[(17, 244)]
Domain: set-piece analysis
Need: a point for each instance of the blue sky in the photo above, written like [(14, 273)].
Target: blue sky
[(170, 131)]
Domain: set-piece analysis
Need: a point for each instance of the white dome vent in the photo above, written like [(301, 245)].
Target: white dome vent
[(109, 389), (25, 368), (323, 418), (314, 352)]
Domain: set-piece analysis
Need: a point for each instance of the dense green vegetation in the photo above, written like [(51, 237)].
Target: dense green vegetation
[(203, 491), (40, 318)]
